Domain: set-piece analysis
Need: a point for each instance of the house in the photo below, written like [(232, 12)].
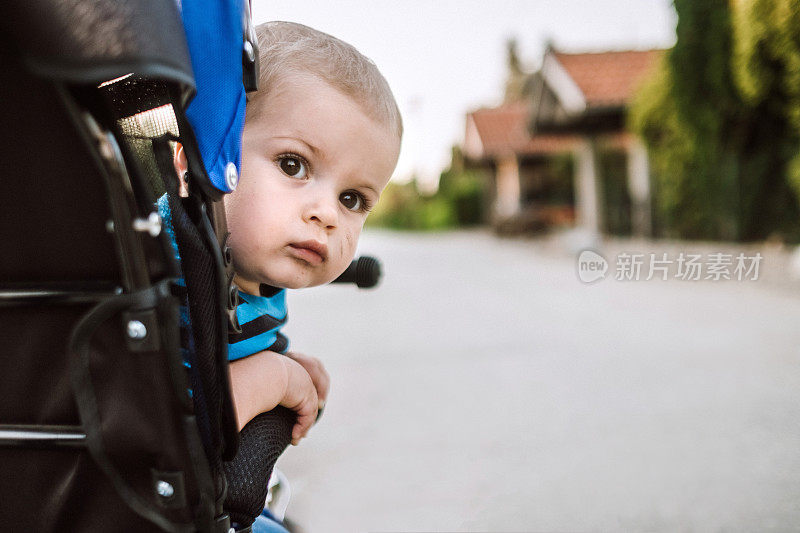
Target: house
[(575, 104), (527, 189), (587, 94)]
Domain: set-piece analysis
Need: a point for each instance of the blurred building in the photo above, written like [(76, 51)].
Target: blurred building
[(557, 150)]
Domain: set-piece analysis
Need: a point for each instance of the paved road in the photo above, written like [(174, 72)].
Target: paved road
[(482, 387)]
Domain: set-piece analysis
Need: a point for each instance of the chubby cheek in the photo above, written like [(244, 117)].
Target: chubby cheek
[(244, 226), (348, 247), (233, 209), (341, 255), (237, 237)]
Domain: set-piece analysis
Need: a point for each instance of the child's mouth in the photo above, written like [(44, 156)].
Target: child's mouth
[(312, 252)]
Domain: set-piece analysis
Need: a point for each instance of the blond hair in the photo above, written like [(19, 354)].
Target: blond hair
[(291, 48)]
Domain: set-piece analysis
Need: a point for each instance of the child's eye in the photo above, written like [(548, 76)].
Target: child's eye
[(293, 166), (354, 201)]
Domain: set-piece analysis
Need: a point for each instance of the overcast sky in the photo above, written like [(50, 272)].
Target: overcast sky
[(444, 58)]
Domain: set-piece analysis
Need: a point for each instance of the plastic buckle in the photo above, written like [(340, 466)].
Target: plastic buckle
[(250, 64), (232, 289), (233, 302), (222, 524)]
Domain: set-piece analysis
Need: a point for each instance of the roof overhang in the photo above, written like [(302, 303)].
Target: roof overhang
[(591, 121), (561, 83), (473, 144)]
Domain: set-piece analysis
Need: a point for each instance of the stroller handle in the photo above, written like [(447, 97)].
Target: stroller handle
[(365, 272)]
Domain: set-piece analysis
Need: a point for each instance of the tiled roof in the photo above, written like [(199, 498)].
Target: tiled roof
[(503, 130), (608, 78)]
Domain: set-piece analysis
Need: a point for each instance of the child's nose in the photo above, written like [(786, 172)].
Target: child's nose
[(323, 212)]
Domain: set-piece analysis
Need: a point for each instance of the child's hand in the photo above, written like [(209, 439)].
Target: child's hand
[(315, 369), (301, 397), (264, 380)]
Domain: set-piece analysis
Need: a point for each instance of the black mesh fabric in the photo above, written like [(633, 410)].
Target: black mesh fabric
[(261, 441), (200, 276)]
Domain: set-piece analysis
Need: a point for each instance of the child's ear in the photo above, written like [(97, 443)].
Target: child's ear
[(181, 168)]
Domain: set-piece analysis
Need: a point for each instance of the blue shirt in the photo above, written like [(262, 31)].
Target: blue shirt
[(261, 318)]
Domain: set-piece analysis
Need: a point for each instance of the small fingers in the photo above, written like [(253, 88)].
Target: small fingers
[(320, 377), (320, 410), (315, 369), (303, 425), (306, 416)]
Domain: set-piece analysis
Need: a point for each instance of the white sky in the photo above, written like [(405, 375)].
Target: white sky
[(445, 58)]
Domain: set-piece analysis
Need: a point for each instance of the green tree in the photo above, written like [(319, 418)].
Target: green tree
[(464, 190), (459, 201), (679, 209), (720, 157), (767, 63), (402, 206)]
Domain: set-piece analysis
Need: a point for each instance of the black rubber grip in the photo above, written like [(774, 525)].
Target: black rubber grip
[(365, 272)]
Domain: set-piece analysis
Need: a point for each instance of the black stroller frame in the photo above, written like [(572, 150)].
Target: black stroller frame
[(102, 428)]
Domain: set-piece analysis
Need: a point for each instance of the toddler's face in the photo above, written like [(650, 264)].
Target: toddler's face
[(313, 164)]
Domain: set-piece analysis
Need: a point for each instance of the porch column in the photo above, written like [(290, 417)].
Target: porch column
[(508, 189), (587, 204), (639, 189)]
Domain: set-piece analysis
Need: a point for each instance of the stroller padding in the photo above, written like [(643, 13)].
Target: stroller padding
[(92, 41), (76, 273)]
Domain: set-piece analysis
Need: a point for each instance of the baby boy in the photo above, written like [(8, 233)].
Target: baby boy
[(321, 140)]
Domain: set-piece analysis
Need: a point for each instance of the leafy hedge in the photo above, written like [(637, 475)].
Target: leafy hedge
[(459, 202)]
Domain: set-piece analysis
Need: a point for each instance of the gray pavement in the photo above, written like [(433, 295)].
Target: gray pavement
[(482, 387)]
